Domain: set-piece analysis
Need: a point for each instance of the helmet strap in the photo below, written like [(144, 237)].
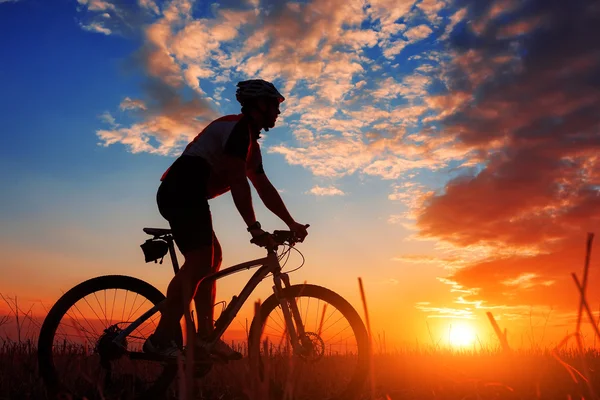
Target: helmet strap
[(256, 125)]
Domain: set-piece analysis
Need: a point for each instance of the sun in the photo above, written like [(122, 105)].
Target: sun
[(461, 335)]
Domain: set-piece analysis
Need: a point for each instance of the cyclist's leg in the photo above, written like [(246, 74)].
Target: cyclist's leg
[(181, 290), (204, 298), (191, 224)]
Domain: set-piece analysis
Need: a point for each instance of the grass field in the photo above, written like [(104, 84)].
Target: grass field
[(411, 374)]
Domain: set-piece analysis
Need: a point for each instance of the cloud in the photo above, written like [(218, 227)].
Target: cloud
[(96, 27), (331, 157), (410, 87), (167, 117), (523, 98), (126, 19), (129, 104), (317, 49), (432, 8), (326, 191), (447, 262), (97, 5), (387, 12), (168, 121), (419, 32), (149, 5), (526, 281), (445, 312), (393, 167), (109, 119)]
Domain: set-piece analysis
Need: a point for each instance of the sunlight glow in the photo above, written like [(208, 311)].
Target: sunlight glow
[(461, 335)]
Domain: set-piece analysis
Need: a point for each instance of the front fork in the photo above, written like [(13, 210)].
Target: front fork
[(290, 310)]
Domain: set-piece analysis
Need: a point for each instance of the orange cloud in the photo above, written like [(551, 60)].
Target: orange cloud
[(526, 113)]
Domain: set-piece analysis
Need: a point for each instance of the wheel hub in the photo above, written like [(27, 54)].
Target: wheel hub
[(106, 348), (313, 347)]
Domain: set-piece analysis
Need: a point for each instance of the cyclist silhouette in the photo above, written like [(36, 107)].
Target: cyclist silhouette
[(220, 158)]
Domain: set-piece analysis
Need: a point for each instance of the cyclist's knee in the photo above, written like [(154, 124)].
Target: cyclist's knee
[(199, 261), (217, 254)]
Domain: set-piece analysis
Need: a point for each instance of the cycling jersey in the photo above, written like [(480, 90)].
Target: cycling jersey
[(230, 135)]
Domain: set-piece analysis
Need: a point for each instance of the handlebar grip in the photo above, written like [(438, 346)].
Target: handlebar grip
[(280, 236), (261, 235)]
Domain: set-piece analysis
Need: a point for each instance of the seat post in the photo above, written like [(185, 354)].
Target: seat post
[(172, 254)]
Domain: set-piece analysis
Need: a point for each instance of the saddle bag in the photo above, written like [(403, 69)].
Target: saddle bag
[(154, 249)]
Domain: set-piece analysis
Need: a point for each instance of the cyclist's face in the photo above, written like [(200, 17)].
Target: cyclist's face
[(271, 111)]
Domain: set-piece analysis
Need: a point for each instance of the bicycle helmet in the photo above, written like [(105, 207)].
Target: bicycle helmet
[(255, 88)]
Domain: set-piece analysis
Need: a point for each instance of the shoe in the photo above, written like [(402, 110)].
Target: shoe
[(170, 350), (222, 349)]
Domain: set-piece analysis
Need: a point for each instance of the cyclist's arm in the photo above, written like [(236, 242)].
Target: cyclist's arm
[(235, 152), (269, 195), (240, 188)]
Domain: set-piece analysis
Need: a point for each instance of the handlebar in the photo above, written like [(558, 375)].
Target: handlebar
[(282, 237)]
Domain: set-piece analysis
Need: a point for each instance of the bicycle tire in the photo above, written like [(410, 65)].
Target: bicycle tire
[(50, 325), (359, 377)]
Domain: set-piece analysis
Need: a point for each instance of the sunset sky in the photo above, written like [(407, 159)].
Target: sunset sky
[(447, 152)]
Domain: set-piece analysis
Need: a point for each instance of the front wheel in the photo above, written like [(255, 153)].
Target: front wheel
[(333, 360)]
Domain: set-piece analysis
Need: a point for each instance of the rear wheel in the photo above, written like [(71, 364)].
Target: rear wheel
[(75, 350), (333, 362)]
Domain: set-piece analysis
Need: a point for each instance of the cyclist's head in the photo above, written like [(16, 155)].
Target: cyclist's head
[(259, 99)]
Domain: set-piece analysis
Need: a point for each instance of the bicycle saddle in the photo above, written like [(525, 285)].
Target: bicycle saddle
[(157, 231)]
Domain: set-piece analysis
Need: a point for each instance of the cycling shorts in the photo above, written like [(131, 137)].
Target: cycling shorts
[(183, 201)]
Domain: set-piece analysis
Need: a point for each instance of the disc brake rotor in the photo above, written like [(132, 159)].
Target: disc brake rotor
[(313, 347)]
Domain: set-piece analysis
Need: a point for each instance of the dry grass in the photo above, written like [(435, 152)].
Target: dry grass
[(408, 374)]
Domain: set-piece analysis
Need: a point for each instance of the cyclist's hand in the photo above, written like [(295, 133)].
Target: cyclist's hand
[(262, 238), (299, 230)]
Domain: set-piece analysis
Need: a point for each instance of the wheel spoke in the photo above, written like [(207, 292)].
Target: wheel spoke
[(86, 320), (306, 313), (339, 319), (137, 309), (101, 309), (113, 306), (130, 310), (96, 314), (317, 313), (322, 318), (109, 322), (277, 323), (124, 304), (147, 327)]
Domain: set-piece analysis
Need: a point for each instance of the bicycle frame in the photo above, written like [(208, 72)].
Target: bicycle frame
[(268, 264)]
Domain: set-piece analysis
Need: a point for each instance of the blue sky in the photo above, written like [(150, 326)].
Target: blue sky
[(390, 109)]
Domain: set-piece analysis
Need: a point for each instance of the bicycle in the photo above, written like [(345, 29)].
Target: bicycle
[(281, 358)]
